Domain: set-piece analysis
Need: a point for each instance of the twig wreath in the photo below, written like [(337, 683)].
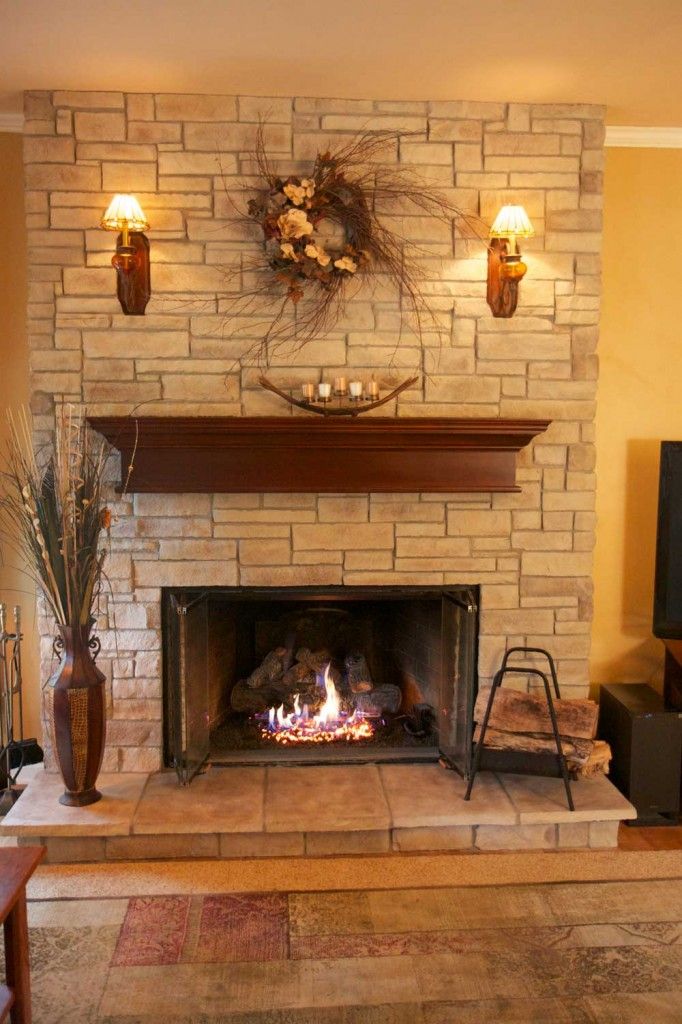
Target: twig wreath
[(323, 231)]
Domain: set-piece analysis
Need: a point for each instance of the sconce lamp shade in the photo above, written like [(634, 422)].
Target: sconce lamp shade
[(124, 212), (512, 221)]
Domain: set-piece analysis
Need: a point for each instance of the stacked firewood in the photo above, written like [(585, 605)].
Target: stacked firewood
[(521, 722), (284, 674)]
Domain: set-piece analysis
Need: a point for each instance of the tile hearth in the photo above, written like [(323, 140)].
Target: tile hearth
[(315, 811)]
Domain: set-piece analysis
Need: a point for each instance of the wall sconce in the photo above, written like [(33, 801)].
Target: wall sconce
[(505, 266), (131, 259)]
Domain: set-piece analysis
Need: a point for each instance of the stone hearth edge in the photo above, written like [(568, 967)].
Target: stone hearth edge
[(315, 811)]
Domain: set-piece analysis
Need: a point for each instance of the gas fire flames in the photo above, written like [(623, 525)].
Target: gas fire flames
[(330, 724)]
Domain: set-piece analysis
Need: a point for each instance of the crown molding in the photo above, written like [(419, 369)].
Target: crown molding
[(640, 137), (10, 122)]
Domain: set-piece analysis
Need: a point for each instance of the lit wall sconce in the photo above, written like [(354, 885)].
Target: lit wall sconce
[(131, 259), (505, 266)]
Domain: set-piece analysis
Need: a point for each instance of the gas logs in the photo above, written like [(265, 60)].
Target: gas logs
[(284, 676)]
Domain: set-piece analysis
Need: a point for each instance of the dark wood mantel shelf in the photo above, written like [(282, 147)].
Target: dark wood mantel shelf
[(295, 453)]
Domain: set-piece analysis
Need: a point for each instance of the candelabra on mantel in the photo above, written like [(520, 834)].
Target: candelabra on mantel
[(341, 399)]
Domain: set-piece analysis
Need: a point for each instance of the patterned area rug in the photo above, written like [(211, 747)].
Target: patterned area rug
[(571, 954)]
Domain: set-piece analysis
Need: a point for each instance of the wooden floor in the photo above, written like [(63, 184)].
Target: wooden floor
[(662, 837)]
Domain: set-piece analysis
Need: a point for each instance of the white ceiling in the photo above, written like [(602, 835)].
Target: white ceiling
[(624, 53)]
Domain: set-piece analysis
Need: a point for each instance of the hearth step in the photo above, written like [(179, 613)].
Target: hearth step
[(313, 811)]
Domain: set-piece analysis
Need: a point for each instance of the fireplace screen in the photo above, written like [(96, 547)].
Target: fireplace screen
[(255, 675)]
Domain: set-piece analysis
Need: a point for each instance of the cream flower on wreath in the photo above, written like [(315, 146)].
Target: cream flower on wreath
[(315, 252), (288, 252), (294, 224), (295, 193), (346, 263)]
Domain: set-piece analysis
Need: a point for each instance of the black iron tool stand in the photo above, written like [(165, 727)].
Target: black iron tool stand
[(524, 670)]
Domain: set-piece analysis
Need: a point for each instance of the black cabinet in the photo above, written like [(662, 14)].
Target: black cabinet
[(646, 741)]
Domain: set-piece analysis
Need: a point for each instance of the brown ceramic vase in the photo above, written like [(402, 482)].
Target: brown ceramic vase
[(75, 703)]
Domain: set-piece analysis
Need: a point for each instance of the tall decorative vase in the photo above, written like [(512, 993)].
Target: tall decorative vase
[(76, 711)]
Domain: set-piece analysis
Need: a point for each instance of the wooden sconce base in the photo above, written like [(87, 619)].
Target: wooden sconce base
[(504, 275), (133, 281)]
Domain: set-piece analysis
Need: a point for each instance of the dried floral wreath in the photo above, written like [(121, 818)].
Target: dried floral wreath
[(323, 230)]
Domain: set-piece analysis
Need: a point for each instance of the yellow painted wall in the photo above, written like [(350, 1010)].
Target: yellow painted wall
[(15, 588), (639, 402)]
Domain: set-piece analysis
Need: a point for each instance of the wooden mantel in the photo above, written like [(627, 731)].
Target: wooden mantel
[(297, 453)]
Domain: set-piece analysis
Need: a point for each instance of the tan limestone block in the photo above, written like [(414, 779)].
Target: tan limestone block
[(426, 153), (87, 100), (176, 574), (200, 387), (467, 109), (521, 143), (444, 837), (450, 130), (101, 392), (234, 137), (339, 844), (265, 552), (39, 812), (540, 800), (573, 834), (153, 132), (330, 798), (171, 277), (74, 849), (412, 511), (429, 796), (515, 837), (543, 179), (271, 109), (324, 105), (262, 844), (368, 560), (291, 576), (343, 510), (161, 847), (99, 127), (190, 107), (436, 548), (140, 107), (219, 800), (481, 522), (174, 550), (129, 176), (196, 163), (63, 177), (139, 759), (130, 344), (341, 536), (48, 150), (604, 834)]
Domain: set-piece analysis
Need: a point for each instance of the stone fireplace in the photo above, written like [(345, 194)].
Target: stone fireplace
[(250, 674), (528, 553)]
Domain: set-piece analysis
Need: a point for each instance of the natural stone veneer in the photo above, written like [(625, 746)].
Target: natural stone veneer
[(181, 155)]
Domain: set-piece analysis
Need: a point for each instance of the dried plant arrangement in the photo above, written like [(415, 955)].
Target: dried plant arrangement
[(324, 231), (53, 512)]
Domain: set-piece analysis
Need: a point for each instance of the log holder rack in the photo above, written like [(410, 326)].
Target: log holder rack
[(525, 670)]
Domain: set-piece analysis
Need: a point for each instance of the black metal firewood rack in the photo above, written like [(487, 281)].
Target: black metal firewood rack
[(525, 670)]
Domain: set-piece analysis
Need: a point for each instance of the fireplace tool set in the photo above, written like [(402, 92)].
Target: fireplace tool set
[(15, 751)]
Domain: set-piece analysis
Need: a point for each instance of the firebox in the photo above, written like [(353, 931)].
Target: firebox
[(256, 675)]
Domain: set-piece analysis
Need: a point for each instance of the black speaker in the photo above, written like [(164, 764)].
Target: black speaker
[(646, 741)]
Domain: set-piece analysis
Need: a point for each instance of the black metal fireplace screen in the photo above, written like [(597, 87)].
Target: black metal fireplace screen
[(312, 674)]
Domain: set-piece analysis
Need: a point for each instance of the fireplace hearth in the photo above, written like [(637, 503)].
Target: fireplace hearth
[(318, 675)]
